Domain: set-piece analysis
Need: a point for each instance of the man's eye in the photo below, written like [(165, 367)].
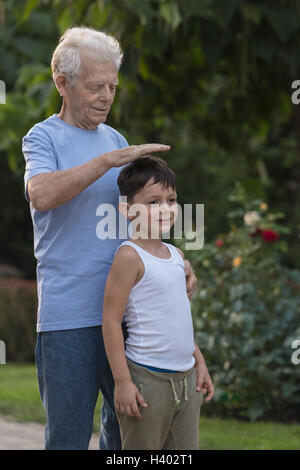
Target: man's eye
[(173, 199), (153, 202)]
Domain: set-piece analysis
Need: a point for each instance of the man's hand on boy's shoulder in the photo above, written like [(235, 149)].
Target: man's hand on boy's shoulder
[(191, 280), (127, 398)]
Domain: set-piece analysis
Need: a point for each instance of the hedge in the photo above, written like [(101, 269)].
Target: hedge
[(18, 308)]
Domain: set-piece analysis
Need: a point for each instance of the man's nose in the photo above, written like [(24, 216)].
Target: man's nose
[(105, 93)]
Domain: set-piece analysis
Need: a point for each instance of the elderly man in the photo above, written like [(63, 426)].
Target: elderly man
[(73, 160)]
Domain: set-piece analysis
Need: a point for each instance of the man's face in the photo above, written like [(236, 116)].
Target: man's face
[(159, 208), (89, 100)]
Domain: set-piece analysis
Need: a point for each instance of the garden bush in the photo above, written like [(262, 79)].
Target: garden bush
[(18, 307), (246, 315)]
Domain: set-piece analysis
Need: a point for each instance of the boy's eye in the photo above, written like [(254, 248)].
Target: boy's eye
[(156, 202)]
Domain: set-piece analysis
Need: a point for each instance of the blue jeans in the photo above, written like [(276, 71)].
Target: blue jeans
[(72, 368)]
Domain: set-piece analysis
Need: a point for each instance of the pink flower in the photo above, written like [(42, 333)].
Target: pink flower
[(219, 242)]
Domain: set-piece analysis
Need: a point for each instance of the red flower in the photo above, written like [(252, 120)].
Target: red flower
[(270, 235), (219, 242)]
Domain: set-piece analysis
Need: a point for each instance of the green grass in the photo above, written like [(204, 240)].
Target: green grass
[(19, 398), (232, 434)]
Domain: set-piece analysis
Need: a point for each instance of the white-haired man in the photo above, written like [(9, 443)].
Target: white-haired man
[(73, 160)]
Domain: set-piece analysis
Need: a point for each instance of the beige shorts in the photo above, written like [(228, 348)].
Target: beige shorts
[(171, 420)]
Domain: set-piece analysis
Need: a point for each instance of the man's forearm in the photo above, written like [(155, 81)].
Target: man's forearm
[(198, 355), (50, 190)]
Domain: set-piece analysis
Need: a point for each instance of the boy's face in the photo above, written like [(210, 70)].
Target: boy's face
[(158, 211)]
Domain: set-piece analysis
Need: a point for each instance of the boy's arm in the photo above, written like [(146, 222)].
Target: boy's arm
[(120, 280)]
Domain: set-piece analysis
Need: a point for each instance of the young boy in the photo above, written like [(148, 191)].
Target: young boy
[(155, 396)]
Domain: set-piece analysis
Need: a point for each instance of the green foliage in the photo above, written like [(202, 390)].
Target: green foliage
[(213, 79), (246, 313), (18, 307), (210, 77)]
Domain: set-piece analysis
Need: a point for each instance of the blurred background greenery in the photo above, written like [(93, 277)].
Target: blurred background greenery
[(213, 79)]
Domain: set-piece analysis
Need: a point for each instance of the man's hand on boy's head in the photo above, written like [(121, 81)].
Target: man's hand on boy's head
[(127, 398), (191, 280)]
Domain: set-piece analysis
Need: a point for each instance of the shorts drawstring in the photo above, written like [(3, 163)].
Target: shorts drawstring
[(185, 389), (177, 401)]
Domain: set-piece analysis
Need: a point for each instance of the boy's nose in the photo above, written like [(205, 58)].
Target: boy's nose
[(164, 207)]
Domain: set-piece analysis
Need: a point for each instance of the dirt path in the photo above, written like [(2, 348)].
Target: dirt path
[(27, 436)]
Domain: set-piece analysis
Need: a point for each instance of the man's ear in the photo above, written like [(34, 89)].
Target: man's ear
[(60, 83)]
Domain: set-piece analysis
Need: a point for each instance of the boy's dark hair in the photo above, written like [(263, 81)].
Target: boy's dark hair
[(136, 175)]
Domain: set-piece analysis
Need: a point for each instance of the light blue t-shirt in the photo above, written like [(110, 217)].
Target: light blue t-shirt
[(72, 261)]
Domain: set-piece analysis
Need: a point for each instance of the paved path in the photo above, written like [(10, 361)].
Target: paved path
[(27, 436)]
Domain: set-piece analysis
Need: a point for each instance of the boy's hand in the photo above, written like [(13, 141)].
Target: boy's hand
[(127, 398)]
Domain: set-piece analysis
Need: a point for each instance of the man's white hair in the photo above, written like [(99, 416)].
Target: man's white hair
[(82, 40)]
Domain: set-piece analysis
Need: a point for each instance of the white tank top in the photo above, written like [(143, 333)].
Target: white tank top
[(158, 313)]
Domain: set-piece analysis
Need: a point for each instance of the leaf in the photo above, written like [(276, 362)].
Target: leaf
[(201, 8), (170, 13), (29, 7), (224, 11), (12, 161), (96, 16), (265, 45), (251, 12), (31, 48), (64, 20), (293, 274), (283, 21), (235, 213)]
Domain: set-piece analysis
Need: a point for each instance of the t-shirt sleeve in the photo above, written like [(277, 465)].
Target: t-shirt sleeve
[(124, 142), (39, 155)]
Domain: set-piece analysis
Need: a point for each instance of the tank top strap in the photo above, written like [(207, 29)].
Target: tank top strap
[(128, 242), (145, 254), (176, 253), (136, 247)]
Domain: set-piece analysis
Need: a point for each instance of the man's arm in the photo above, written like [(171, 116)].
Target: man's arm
[(50, 190), (121, 278)]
